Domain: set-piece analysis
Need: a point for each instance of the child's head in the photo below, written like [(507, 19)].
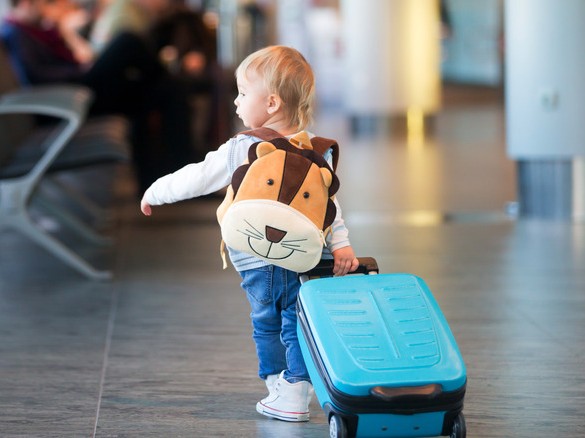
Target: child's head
[(284, 72)]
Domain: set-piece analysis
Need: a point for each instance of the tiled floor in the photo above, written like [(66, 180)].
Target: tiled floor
[(164, 350)]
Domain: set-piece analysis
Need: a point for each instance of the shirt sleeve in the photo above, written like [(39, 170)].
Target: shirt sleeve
[(193, 180), (339, 235)]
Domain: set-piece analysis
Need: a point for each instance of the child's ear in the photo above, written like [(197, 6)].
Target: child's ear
[(274, 103)]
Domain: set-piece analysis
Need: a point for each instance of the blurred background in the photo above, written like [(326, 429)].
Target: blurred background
[(460, 124)]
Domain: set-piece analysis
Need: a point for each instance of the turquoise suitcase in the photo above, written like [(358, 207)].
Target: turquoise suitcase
[(381, 356)]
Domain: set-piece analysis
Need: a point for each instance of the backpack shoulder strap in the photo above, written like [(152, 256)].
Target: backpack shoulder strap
[(322, 145), (266, 134)]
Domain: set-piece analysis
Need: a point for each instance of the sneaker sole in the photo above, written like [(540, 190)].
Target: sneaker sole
[(281, 415)]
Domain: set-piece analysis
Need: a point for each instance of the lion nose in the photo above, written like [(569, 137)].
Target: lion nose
[(274, 235)]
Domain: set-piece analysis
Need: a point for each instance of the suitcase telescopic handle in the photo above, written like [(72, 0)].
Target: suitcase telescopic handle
[(367, 265)]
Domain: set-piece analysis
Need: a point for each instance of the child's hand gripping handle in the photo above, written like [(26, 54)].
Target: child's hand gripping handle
[(368, 265)]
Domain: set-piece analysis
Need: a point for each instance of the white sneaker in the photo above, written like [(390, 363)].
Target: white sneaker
[(270, 381), (287, 401)]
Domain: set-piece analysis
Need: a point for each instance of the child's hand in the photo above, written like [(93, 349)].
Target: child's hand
[(344, 261), (145, 208)]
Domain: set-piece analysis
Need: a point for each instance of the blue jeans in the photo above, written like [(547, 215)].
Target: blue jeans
[(272, 292)]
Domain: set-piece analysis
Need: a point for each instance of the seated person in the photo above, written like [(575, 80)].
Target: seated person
[(40, 54), (187, 46), (125, 78), (192, 41), (117, 16)]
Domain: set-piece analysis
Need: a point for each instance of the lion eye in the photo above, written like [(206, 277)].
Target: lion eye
[(306, 195), (270, 182)]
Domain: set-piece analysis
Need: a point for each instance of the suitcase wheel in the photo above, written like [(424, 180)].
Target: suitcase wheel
[(337, 427), (459, 428)]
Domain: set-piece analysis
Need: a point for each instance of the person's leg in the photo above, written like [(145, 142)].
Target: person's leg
[(292, 391), (296, 369), (127, 78), (123, 74), (143, 139), (171, 101), (266, 320)]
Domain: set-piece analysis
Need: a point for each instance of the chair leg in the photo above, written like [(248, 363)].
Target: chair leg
[(97, 213), (70, 220), (52, 245), (13, 214)]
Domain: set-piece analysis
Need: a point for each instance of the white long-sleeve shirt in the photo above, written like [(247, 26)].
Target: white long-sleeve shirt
[(213, 174)]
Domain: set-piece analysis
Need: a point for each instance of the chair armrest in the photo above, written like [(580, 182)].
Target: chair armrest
[(70, 102)]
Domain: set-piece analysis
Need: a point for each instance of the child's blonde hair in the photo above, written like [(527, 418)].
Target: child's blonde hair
[(288, 74)]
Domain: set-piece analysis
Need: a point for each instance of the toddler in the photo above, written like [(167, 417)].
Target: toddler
[(275, 90)]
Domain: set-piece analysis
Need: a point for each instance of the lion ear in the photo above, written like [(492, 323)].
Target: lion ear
[(264, 148), (327, 176)]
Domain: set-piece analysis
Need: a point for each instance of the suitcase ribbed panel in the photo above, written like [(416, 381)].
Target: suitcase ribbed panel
[(384, 329), (409, 339)]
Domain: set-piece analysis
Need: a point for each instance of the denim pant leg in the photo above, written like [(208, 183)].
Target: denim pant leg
[(272, 293), (266, 320), (296, 369)]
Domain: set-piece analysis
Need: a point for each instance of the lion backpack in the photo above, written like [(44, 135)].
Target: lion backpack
[(279, 205)]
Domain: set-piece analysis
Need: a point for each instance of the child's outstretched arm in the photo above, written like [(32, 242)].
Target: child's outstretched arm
[(191, 181)]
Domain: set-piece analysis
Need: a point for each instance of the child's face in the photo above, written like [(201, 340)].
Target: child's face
[(252, 103)]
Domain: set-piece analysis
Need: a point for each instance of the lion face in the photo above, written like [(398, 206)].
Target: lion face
[(288, 178), (281, 205)]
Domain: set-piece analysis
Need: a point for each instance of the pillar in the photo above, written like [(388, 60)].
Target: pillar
[(545, 104), (392, 59)]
